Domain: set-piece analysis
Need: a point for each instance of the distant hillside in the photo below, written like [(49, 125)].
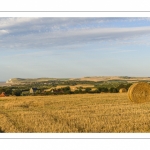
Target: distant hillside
[(31, 80), (113, 78), (94, 79)]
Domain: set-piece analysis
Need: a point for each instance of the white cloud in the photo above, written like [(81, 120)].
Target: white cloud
[(66, 32), (123, 51), (3, 32), (75, 37), (8, 22)]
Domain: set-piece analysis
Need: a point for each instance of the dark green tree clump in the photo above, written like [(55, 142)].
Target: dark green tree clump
[(16, 92)]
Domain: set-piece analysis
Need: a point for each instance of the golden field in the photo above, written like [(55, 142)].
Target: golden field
[(88, 113)]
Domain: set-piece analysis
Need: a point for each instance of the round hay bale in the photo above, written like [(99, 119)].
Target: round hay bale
[(122, 90), (132, 86), (139, 92)]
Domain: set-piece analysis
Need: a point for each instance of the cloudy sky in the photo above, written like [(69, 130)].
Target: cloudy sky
[(74, 47)]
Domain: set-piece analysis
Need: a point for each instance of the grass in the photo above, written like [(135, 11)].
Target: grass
[(88, 113)]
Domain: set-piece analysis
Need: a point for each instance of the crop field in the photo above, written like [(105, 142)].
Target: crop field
[(88, 113), (77, 86)]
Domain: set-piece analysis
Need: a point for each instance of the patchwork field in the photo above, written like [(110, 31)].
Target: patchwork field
[(91, 113)]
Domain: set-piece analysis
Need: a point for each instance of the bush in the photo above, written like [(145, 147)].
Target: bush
[(113, 90), (87, 90), (104, 90), (16, 92)]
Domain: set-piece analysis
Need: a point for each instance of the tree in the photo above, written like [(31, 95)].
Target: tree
[(104, 89), (16, 92), (126, 86), (99, 90), (8, 91), (66, 90), (113, 90), (88, 90)]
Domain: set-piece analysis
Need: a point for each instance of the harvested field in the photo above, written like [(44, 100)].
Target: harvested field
[(88, 113), (77, 86), (73, 88)]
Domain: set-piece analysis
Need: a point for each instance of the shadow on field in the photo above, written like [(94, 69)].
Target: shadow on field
[(1, 131)]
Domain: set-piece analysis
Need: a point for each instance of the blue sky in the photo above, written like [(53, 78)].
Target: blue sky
[(74, 47)]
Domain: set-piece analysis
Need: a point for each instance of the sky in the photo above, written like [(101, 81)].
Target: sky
[(74, 47)]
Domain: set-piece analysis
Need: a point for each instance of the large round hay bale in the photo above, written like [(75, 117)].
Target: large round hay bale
[(139, 92), (122, 90), (131, 87)]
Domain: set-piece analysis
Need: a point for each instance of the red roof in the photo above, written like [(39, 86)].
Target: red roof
[(3, 94)]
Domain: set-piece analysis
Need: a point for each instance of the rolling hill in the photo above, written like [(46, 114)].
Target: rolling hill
[(94, 79)]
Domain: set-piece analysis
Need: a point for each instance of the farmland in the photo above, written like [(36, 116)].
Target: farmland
[(61, 86), (77, 113)]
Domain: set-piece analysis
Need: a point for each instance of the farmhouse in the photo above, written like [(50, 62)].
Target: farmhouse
[(33, 90), (2, 94)]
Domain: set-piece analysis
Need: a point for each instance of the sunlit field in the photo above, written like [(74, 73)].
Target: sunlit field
[(88, 113)]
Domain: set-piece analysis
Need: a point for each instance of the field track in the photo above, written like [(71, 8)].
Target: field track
[(88, 113)]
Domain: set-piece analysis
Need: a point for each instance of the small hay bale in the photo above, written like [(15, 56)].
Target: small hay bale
[(122, 90), (139, 92)]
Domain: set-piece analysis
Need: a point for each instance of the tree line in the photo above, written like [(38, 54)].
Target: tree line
[(18, 91)]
